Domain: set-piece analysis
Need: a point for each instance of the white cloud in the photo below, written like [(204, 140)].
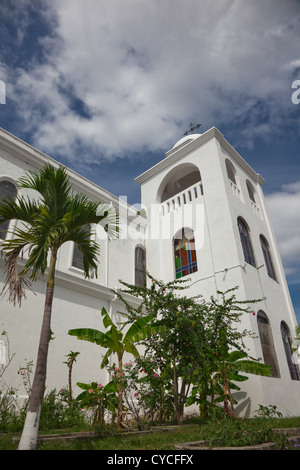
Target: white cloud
[(144, 70), (283, 208)]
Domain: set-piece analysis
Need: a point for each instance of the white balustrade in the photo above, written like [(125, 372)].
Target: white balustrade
[(186, 196)]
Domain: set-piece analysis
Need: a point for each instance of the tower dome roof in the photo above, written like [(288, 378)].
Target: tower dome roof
[(186, 139)]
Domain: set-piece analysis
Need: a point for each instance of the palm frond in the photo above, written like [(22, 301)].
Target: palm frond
[(51, 183), (88, 247), (15, 283), (109, 220), (254, 367), (37, 249), (22, 209)]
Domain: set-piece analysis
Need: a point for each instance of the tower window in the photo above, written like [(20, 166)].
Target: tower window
[(140, 266), (251, 191), (246, 242), (7, 191), (230, 171), (267, 344), (267, 256), (287, 343), (77, 261), (185, 253)]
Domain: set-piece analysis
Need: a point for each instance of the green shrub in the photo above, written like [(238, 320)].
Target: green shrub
[(58, 412), (11, 418)]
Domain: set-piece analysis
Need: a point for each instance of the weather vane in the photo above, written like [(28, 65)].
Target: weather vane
[(192, 127)]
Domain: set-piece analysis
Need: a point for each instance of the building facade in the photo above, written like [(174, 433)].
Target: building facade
[(205, 221)]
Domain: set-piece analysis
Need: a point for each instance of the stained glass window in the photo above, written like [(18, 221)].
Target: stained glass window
[(185, 253)]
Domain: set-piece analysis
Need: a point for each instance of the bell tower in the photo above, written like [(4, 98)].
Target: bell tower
[(207, 222)]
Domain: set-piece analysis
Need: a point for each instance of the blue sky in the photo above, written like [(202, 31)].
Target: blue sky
[(107, 87)]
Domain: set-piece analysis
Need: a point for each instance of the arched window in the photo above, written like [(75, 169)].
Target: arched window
[(246, 242), (267, 344), (185, 253), (7, 191), (287, 343), (267, 256), (140, 266), (230, 171), (251, 191), (77, 261)]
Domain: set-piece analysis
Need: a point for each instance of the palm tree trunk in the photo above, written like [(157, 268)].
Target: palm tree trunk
[(29, 436), (70, 378), (120, 391), (177, 400)]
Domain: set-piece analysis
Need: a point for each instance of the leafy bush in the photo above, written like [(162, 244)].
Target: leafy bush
[(59, 412), (100, 403), (11, 418)]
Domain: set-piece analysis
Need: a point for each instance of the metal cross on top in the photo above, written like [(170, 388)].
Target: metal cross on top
[(192, 127)]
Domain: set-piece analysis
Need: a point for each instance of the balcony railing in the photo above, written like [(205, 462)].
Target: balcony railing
[(186, 196), (235, 189)]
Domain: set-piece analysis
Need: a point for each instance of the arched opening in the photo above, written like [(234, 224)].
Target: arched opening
[(267, 343), (287, 343), (178, 180), (246, 242), (140, 266), (267, 257), (251, 191), (230, 171)]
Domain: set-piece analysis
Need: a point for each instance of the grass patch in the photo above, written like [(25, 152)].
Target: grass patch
[(227, 432)]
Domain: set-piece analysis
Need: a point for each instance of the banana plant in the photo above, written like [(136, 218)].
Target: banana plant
[(117, 342), (101, 398), (227, 371)]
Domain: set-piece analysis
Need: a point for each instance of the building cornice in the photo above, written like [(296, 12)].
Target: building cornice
[(81, 285), (177, 153), (90, 288)]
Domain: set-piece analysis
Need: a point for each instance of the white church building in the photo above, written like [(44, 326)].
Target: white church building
[(203, 218)]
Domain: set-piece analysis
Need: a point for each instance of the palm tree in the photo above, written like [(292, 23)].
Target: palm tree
[(118, 343), (44, 225), (72, 356)]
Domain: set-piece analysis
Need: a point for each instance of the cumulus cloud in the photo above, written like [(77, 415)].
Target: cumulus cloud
[(283, 207), (123, 77)]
